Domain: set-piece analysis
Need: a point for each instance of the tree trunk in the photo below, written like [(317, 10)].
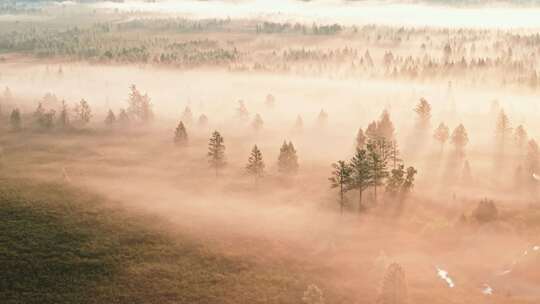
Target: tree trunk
[(360, 207), (341, 198)]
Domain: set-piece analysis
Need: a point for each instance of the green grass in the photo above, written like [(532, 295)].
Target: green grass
[(64, 245)]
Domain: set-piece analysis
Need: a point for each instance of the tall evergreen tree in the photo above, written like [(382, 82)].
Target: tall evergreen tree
[(460, 139), (361, 139), (287, 159), (322, 119), (361, 175), (385, 127), (139, 105), (520, 136), (187, 116), (216, 152), (299, 123), (15, 119), (378, 164), (341, 178), (441, 135), (423, 110), (503, 131), (110, 119), (83, 112), (203, 121), (255, 165), (123, 118), (257, 123), (394, 286), (180, 135)]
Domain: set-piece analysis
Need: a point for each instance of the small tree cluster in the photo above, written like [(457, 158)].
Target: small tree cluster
[(287, 159), (486, 211), (180, 135), (255, 165), (139, 105)]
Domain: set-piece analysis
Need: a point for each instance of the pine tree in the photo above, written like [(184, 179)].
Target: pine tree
[(385, 127), (460, 139), (257, 123), (110, 119), (423, 110), (203, 121), (441, 135), (123, 118), (394, 286), (15, 120), (372, 131), (322, 119), (187, 116), (503, 130), (241, 112), (361, 139), (520, 136), (361, 177), (287, 159), (378, 166), (255, 165), (395, 181), (216, 152), (341, 178), (408, 184), (180, 135), (139, 106), (63, 118), (83, 112)]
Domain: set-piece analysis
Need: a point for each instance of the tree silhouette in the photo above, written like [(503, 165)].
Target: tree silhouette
[(180, 135), (241, 112), (441, 135), (83, 112), (63, 118), (423, 110), (123, 118), (378, 166), (203, 121), (313, 295), (385, 127), (15, 120), (110, 119), (257, 123), (361, 175), (503, 131), (216, 152), (299, 124), (361, 139), (322, 119), (287, 159), (394, 286), (187, 116), (341, 178), (255, 165), (139, 106), (520, 136), (460, 139), (532, 160)]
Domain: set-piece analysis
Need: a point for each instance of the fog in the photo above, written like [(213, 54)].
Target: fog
[(351, 12), (436, 228)]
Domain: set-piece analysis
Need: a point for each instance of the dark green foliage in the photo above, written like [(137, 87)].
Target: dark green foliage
[(180, 135), (341, 178), (361, 175), (255, 165), (486, 211), (287, 159), (216, 152)]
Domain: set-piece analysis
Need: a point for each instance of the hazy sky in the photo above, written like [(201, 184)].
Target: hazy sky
[(346, 12)]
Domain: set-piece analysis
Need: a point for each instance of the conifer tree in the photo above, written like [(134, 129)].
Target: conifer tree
[(503, 131), (385, 127), (110, 119), (203, 121), (441, 135), (15, 119), (287, 159), (180, 135), (520, 136), (394, 286), (322, 119), (341, 178), (187, 116), (255, 165), (423, 110), (460, 139), (83, 112), (361, 175), (299, 124), (123, 118), (216, 152), (361, 139), (257, 123), (378, 166), (139, 105)]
